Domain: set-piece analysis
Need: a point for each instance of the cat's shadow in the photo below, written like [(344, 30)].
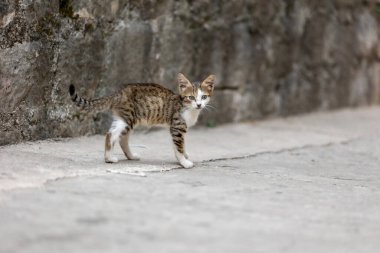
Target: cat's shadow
[(150, 162)]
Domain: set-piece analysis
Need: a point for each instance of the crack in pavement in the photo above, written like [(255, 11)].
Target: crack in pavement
[(100, 172), (345, 142)]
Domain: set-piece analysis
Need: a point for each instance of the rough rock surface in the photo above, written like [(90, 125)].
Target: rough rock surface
[(272, 58)]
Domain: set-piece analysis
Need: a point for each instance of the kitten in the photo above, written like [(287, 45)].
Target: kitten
[(151, 104)]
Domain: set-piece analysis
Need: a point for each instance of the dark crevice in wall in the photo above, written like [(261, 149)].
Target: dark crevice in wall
[(66, 9)]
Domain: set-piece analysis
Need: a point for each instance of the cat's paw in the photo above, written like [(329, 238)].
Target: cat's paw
[(186, 155), (187, 164), (111, 159), (133, 157)]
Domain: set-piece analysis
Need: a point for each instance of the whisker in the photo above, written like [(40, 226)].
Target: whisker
[(210, 107)]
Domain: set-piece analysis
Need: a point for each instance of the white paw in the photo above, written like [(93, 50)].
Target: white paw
[(187, 164), (186, 155), (133, 157), (111, 159)]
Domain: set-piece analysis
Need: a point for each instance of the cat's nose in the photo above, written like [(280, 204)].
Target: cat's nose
[(199, 106)]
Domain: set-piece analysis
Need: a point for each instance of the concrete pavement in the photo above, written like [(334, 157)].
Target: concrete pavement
[(301, 184)]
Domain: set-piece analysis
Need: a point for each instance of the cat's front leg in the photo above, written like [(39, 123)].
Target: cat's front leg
[(185, 154), (179, 143), (187, 164)]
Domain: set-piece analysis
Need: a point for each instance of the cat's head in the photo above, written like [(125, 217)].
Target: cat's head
[(195, 95)]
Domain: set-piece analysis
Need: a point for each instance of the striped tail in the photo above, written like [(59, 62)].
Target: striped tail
[(96, 104)]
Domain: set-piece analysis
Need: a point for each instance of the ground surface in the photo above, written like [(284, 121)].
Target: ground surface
[(302, 184)]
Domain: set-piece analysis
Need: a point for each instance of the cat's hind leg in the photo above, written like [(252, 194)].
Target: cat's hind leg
[(113, 135), (124, 143)]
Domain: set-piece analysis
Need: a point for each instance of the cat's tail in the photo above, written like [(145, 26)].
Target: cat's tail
[(98, 104)]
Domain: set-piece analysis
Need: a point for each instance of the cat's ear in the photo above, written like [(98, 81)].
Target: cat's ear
[(208, 84), (183, 83)]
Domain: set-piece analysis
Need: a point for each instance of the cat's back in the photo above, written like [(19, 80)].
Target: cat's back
[(147, 90), (146, 104)]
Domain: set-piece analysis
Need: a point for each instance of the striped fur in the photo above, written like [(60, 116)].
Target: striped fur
[(150, 104), (99, 104)]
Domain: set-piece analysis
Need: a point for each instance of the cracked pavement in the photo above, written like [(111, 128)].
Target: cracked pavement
[(302, 184)]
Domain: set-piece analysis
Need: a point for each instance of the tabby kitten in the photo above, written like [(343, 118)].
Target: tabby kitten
[(151, 104)]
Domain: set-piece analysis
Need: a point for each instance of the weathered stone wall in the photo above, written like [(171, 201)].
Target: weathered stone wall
[(271, 57)]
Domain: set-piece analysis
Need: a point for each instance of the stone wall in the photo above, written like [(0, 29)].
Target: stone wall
[(271, 57)]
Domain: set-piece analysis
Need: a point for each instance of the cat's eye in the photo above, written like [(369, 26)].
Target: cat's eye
[(204, 96), (191, 97)]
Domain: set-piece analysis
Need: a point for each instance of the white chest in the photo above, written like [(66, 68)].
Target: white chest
[(190, 116)]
